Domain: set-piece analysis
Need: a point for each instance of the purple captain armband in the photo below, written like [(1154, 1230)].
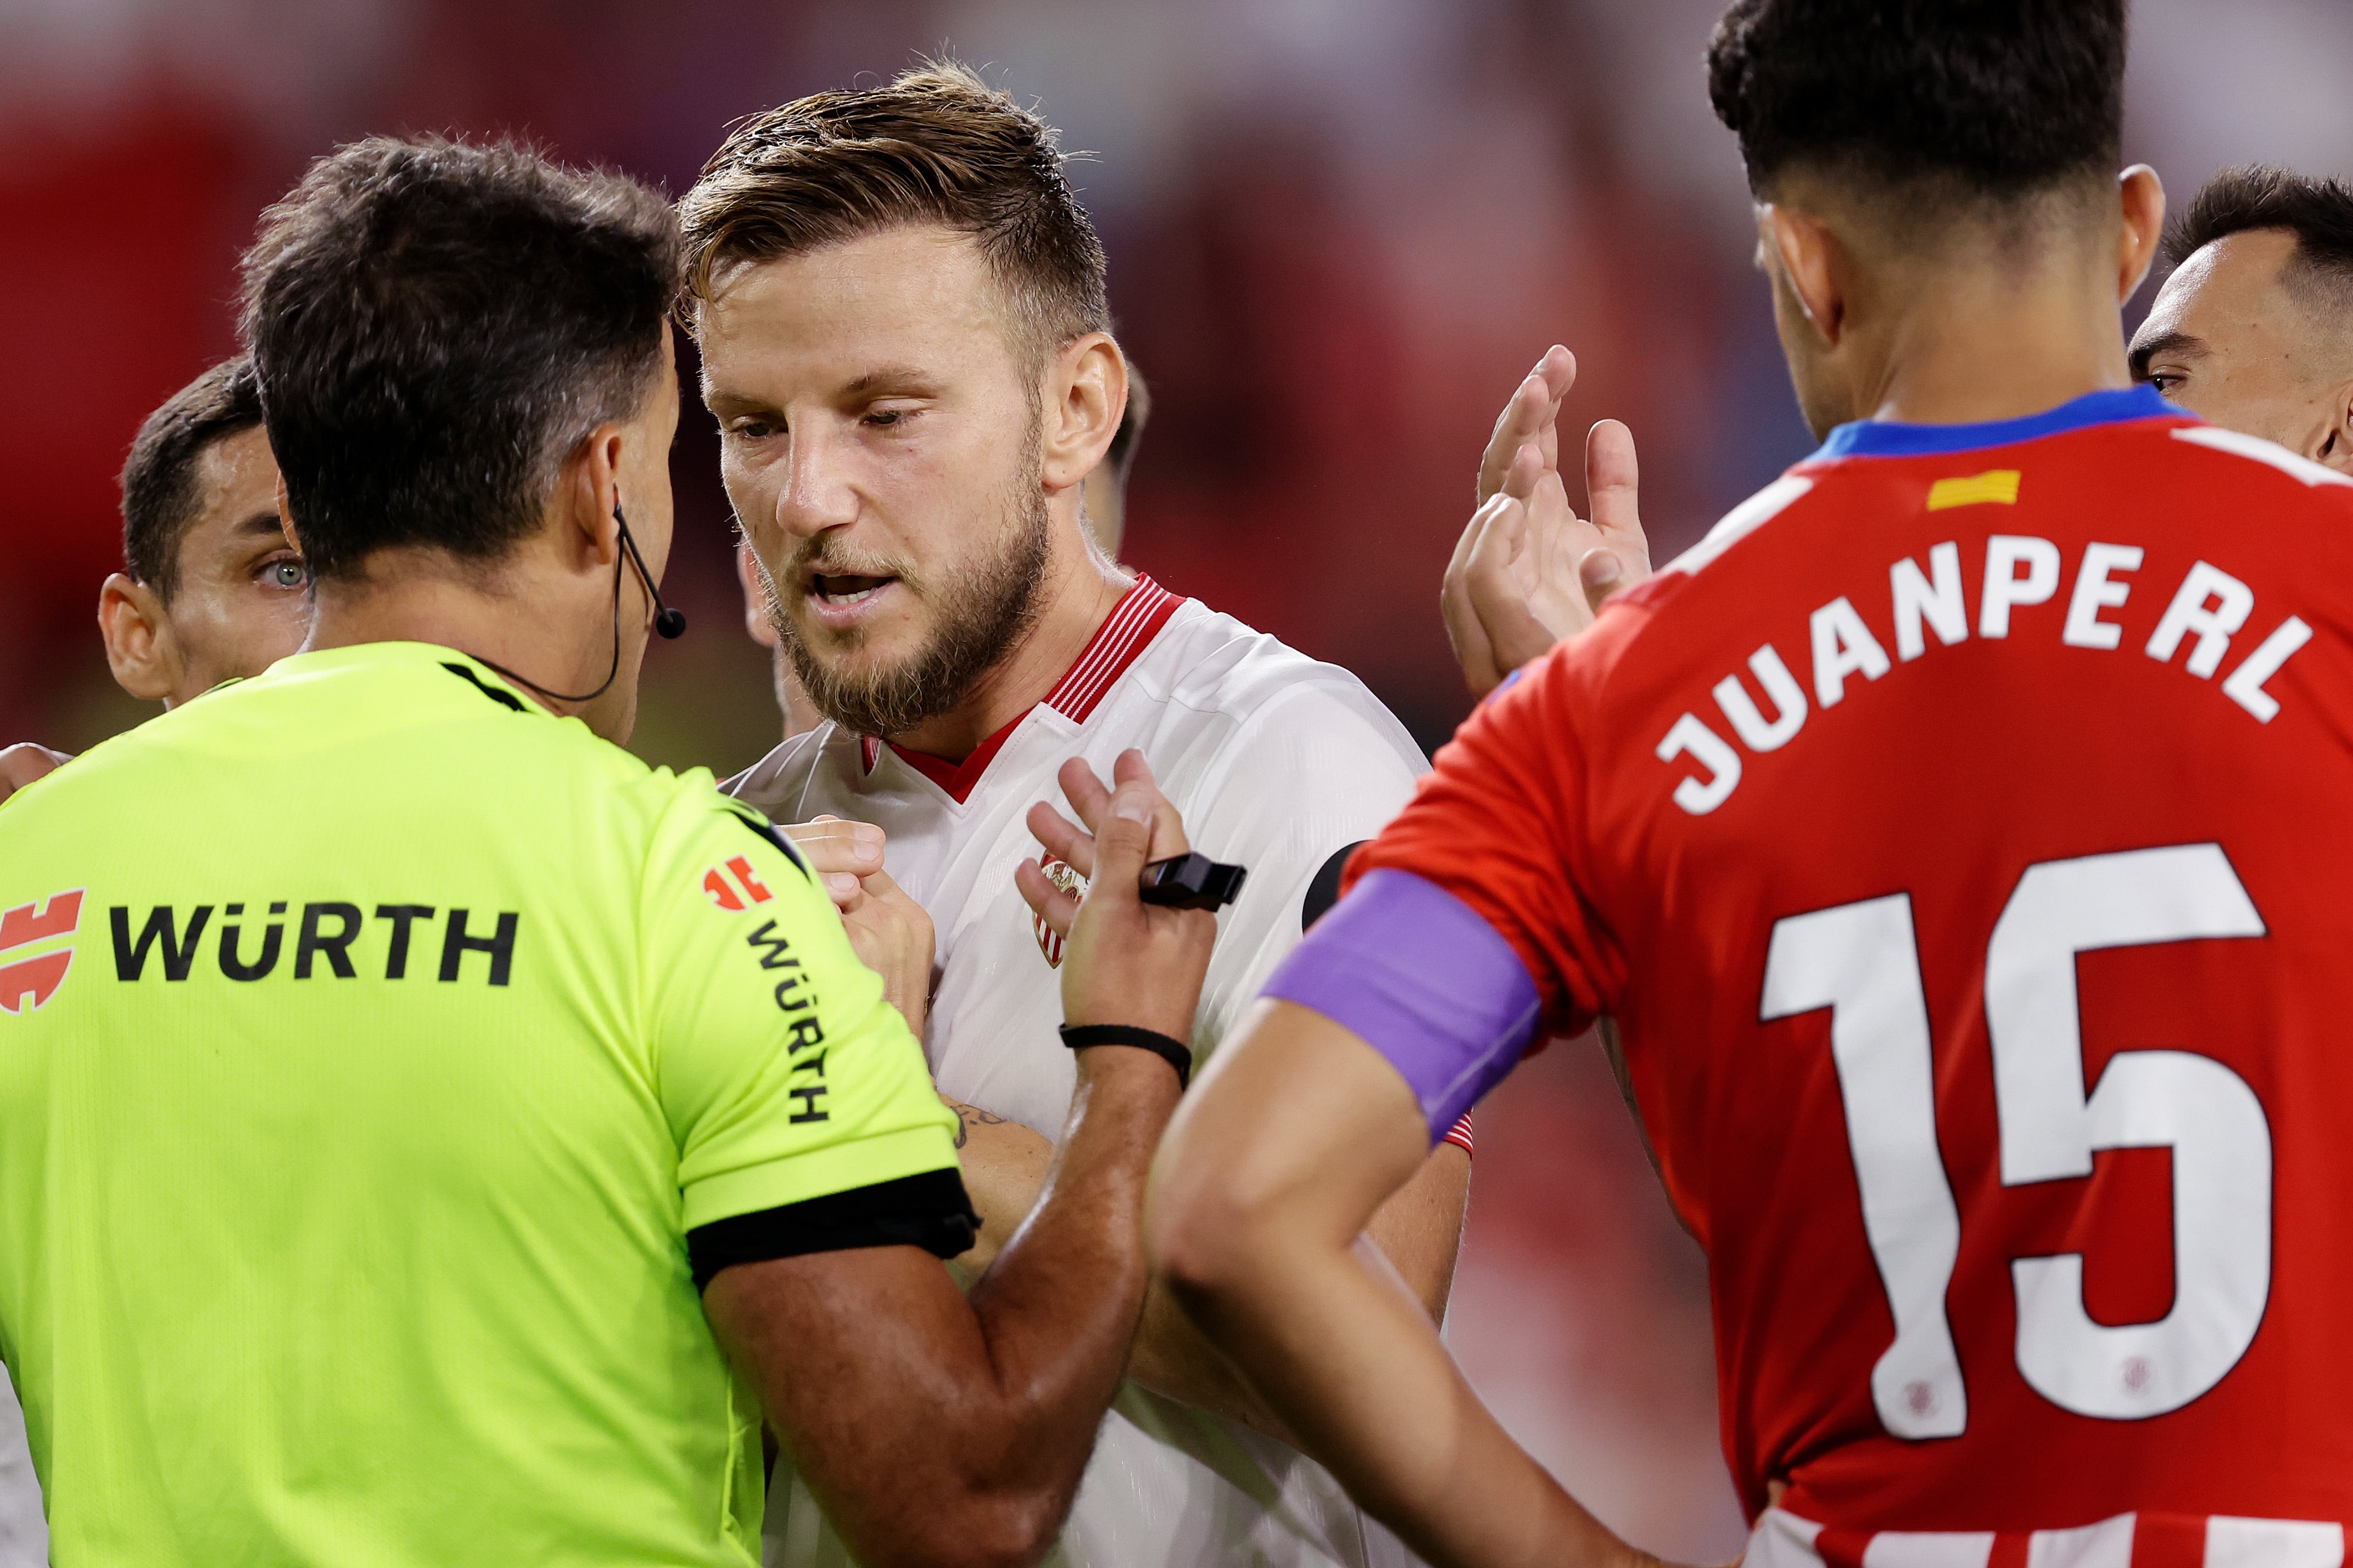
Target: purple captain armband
[(1417, 973)]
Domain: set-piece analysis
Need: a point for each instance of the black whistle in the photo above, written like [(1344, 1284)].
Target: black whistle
[(1191, 881)]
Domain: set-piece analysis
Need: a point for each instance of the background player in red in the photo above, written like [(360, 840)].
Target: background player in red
[(1956, 834)]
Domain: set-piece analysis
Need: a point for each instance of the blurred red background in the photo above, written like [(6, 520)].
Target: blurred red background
[(1339, 234)]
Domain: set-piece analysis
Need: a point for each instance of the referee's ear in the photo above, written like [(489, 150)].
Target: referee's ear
[(588, 495)]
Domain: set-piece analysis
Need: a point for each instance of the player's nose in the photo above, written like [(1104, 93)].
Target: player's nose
[(818, 493)]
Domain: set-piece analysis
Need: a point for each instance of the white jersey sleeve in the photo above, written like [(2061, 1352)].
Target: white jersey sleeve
[(1315, 771)]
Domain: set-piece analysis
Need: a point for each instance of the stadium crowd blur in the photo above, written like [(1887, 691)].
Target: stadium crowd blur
[(1338, 232)]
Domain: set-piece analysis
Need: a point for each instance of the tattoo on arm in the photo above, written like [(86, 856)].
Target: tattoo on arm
[(969, 1117)]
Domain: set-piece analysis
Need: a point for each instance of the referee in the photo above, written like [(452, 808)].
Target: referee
[(391, 1176)]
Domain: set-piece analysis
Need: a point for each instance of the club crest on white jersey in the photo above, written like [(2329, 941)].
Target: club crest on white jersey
[(1062, 876)]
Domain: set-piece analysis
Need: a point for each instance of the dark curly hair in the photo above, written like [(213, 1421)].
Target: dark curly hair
[(1995, 97)]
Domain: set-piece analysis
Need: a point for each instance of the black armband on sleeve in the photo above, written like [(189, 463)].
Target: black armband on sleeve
[(1324, 888), (929, 1209)]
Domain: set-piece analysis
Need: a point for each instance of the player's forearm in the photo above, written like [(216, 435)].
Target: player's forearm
[(1419, 1229), (946, 1429), (1060, 1305), (1418, 1232), (1171, 1358), (1297, 1136), (1305, 1321), (1005, 1165)]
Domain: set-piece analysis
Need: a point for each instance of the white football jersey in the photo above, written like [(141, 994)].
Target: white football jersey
[(1277, 763), (24, 1526)]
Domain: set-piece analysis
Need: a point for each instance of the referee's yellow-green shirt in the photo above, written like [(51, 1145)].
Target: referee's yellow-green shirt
[(384, 1065)]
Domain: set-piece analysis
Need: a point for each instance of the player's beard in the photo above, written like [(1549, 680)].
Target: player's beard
[(980, 617)]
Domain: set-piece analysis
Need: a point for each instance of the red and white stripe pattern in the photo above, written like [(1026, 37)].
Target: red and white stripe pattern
[(1130, 628), (2147, 1540), (1140, 614), (1460, 1134)]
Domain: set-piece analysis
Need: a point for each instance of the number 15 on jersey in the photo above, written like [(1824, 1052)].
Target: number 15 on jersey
[(1862, 961)]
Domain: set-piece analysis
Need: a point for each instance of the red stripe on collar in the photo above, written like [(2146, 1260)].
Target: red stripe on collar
[(958, 778), (1127, 632)]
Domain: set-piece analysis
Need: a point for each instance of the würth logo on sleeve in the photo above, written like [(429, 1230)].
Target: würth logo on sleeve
[(1070, 882), (37, 949), (734, 886)]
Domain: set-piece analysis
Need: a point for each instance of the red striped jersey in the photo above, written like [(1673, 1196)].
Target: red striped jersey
[(2147, 1539)]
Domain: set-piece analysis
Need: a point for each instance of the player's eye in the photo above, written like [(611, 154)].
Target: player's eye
[(752, 429), (885, 419), (287, 572)]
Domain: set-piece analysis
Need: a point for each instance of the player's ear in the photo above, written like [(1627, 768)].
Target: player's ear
[(2336, 440), (2142, 195), (1086, 393), (140, 648), (1808, 261)]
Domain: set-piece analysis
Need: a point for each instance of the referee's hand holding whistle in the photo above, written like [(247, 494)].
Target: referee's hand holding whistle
[(1126, 962)]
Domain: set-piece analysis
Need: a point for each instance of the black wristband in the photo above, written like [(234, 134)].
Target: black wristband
[(1174, 1052)]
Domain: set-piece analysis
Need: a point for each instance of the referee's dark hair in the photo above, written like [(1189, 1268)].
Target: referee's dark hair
[(436, 326), (2317, 212), (159, 477)]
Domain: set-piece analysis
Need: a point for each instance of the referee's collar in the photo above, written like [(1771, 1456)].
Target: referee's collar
[(485, 678)]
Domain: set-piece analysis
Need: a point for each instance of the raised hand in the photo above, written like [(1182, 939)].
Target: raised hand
[(1528, 570), (1532, 417), (1126, 962)]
